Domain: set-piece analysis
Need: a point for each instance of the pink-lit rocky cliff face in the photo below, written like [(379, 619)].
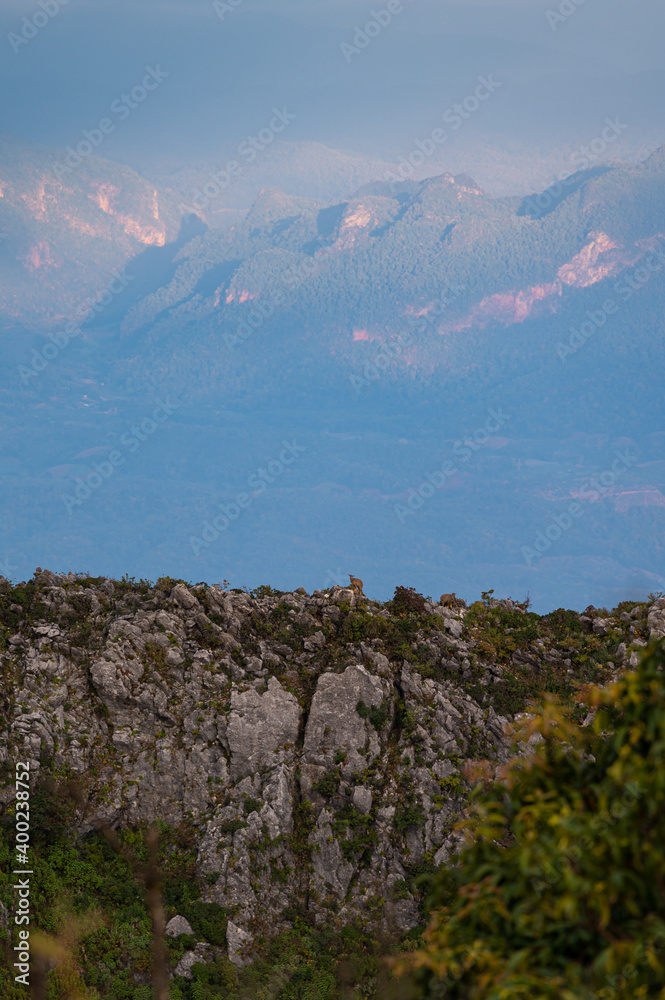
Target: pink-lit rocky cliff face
[(65, 235), (102, 215)]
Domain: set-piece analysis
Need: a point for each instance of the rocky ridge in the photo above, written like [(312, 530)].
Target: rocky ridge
[(314, 744)]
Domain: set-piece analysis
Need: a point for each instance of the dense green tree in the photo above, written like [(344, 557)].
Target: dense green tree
[(562, 883)]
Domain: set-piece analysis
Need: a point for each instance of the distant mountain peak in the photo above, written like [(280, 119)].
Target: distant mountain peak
[(656, 161), (463, 182), (272, 204), (468, 184)]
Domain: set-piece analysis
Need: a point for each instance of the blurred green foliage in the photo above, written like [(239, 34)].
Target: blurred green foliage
[(561, 888)]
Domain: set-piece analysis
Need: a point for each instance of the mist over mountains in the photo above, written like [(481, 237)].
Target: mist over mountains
[(451, 372), (227, 72)]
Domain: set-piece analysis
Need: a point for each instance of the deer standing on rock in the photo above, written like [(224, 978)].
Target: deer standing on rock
[(356, 584)]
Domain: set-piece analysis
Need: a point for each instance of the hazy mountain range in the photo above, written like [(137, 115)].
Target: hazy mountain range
[(373, 324)]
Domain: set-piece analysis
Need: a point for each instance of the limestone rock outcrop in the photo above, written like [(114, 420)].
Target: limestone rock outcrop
[(315, 744)]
